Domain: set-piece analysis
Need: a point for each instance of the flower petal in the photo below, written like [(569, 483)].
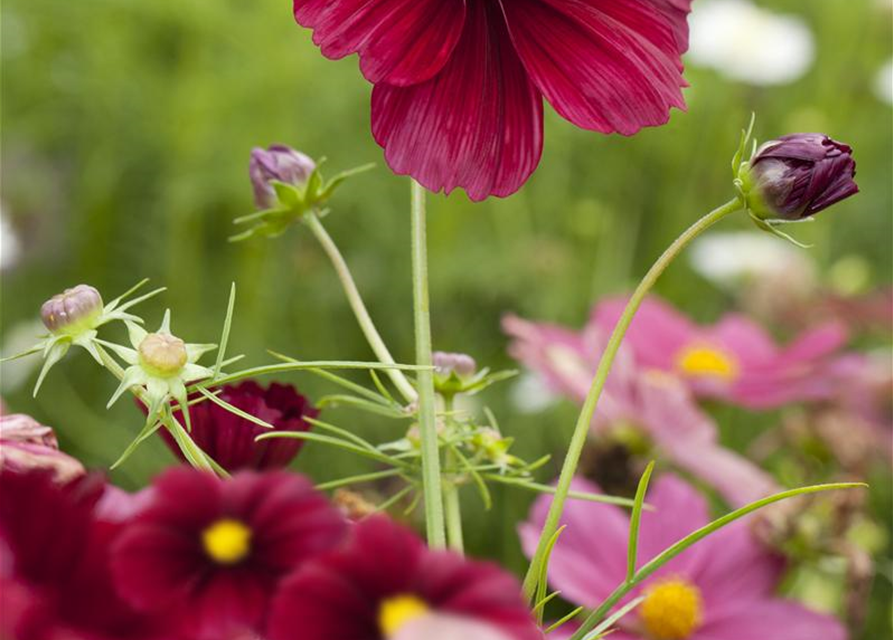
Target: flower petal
[(605, 65), (476, 125), (771, 620), (401, 42)]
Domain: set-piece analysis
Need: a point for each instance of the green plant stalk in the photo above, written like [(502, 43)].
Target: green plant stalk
[(581, 430), (649, 568), (359, 308), (431, 478), (451, 501)]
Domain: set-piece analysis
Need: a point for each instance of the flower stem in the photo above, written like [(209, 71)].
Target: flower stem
[(359, 308), (431, 480), (451, 501), (581, 430)]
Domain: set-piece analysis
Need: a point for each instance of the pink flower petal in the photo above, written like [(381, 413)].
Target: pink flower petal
[(678, 510), (476, 125), (771, 620), (401, 42), (448, 627), (676, 11), (605, 65)]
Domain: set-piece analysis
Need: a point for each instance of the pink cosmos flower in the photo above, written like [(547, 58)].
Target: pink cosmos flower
[(646, 412), (385, 584), (720, 589), (27, 444), (459, 84), (735, 359)]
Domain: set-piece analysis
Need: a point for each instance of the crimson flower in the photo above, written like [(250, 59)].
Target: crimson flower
[(210, 553), (386, 585), (55, 580), (459, 84), (229, 439)]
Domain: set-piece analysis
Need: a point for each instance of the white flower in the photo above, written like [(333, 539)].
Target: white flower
[(883, 82), (731, 259), (10, 246), (750, 44)]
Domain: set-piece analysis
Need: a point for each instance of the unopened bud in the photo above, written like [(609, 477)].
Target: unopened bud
[(797, 176), (162, 354), (280, 163), (72, 311), (462, 365)]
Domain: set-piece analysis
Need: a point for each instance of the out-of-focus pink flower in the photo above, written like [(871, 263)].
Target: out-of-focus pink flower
[(654, 407), (735, 359), (27, 444), (720, 589)]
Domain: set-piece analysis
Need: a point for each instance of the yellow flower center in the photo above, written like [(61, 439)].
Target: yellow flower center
[(397, 611), (227, 541), (709, 362), (672, 610)]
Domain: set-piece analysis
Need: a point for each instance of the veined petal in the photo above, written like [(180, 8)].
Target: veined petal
[(605, 65), (401, 42), (476, 125)]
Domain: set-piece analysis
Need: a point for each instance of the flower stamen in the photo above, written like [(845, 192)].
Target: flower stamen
[(672, 610), (395, 612), (707, 362), (227, 541)]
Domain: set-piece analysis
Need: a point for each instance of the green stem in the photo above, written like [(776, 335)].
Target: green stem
[(431, 480), (581, 430), (451, 501), (359, 308)]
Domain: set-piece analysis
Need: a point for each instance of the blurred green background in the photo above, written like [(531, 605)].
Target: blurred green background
[(126, 132)]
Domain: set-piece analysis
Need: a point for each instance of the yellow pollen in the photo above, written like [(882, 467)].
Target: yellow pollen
[(396, 611), (708, 362), (672, 610), (227, 541)]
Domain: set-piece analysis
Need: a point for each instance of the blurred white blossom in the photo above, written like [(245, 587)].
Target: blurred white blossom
[(10, 246), (750, 44), (531, 394), (730, 259), (883, 83)]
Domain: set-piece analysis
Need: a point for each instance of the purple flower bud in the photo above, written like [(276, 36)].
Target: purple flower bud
[(281, 163), (462, 365), (798, 175), (26, 444), (72, 311)]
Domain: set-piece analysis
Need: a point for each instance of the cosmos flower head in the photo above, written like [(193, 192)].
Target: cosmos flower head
[(459, 84), (798, 175), (211, 552), (642, 414), (55, 580), (230, 439), (734, 360), (26, 444), (720, 589), (386, 585)]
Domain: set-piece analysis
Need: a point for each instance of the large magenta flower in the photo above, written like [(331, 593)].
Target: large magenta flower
[(211, 552), (641, 413), (55, 581), (459, 84), (720, 589), (735, 359), (230, 440), (386, 585)]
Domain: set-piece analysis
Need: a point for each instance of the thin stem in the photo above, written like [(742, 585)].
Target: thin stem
[(451, 501), (434, 515), (581, 430), (359, 308)]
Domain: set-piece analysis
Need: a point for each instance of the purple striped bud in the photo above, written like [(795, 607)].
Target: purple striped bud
[(72, 311), (798, 175), (280, 163)]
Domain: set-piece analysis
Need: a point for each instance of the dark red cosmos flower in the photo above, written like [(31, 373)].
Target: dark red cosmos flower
[(210, 553), (459, 84), (386, 585), (55, 580), (799, 175), (229, 439)]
